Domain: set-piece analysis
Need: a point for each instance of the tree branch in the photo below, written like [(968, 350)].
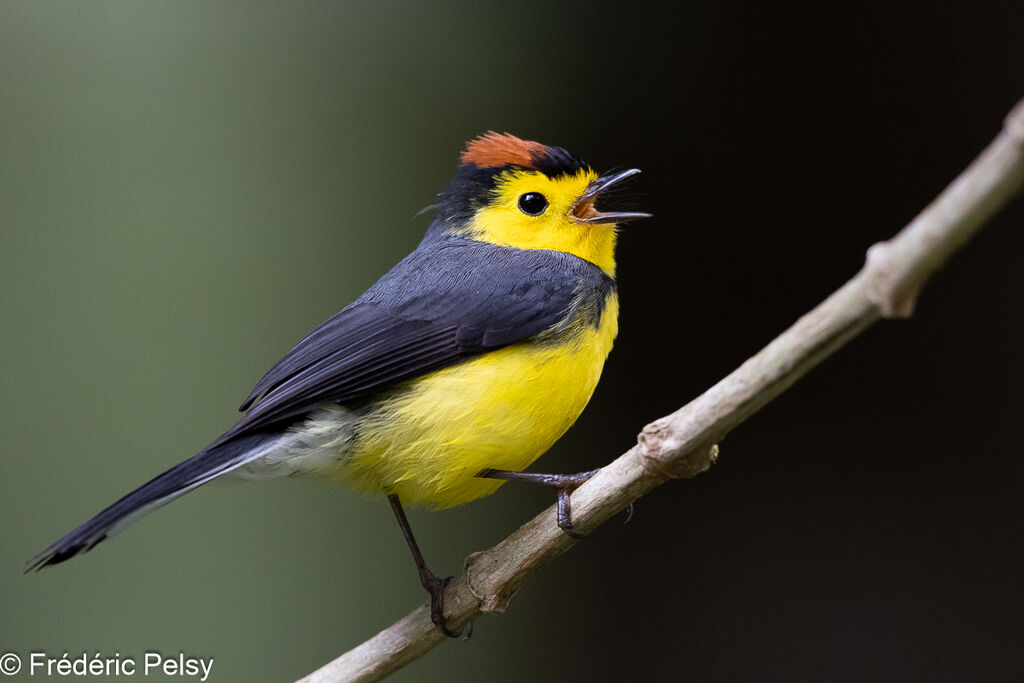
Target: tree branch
[(684, 444)]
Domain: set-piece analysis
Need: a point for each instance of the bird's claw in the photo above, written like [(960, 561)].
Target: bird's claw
[(435, 586), (565, 484)]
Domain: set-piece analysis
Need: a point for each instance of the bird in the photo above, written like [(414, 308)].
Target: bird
[(452, 373)]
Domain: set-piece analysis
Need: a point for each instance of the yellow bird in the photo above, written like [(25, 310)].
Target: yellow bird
[(451, 374)]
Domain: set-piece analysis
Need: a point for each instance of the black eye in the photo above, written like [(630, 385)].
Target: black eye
[(532, 203)]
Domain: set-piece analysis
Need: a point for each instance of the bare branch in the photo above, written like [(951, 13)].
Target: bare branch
[(684, 443)]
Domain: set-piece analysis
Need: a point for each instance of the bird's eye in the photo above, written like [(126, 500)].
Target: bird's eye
[(532, 203)]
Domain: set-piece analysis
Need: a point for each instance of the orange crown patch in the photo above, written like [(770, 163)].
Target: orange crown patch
[(498, 149)]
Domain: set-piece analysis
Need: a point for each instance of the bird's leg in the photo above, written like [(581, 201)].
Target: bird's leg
[(431, 583), (565, 484)]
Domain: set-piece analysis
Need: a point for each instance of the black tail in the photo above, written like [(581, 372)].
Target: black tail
[(177, 481)]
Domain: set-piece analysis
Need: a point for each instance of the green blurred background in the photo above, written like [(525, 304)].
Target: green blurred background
[(187, 188)]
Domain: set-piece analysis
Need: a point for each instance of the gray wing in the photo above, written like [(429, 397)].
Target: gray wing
[(444, 303)]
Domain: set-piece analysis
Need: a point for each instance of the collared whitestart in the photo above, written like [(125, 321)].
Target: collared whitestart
[(451, 374)]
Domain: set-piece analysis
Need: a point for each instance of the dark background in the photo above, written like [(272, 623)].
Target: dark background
[(187, 188)]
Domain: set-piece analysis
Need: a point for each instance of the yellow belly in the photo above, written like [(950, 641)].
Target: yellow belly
[(428, 439)]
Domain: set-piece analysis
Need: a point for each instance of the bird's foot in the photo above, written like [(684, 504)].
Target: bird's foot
[(435, 586), (430, 581), (564, 484)]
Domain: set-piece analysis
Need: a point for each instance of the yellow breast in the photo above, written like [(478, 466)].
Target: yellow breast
[(427, 439)]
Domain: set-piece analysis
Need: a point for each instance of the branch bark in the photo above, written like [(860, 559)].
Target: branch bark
[(684, 444)]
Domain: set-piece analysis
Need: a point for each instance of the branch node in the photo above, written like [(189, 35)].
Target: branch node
[(664, 453), (890, 293)]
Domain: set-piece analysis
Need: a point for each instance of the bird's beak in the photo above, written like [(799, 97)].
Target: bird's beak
[(584, 212)]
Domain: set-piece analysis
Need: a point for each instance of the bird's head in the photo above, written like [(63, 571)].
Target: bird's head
[(523, 194)]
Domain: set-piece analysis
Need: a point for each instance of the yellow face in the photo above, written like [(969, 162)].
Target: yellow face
[(532, 211)]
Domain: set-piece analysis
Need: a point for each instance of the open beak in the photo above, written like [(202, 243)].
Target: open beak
[(584, 212)]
